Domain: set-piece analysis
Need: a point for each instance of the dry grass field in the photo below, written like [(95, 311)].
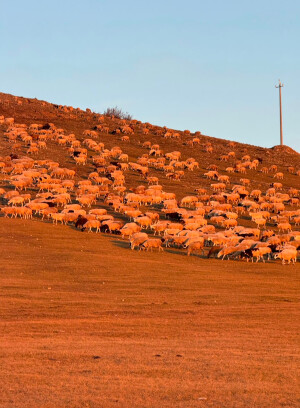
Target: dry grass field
[(87, 323)]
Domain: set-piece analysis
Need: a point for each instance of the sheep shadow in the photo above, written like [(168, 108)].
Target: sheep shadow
[(174, 251), (121, 244), (184, 253)]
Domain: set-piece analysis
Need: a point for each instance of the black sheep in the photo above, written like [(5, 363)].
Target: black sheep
[(80, 222)]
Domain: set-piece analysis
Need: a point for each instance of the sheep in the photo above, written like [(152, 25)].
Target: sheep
[(289, 255), (87, 200), (57, 217), (218, 186), (137, 239), (82, 159), (223, 179), (152, 243), (192, 226), (226, 251), (16, 200), (159, 227), (188, 201), (297, 220), (259, 253), (9, 211), (145, 222), (278, 175), (191, 240), (129, 229), (212, 175), (24, 212), (285, 226), (230, 223), (81, 221), (177, 241), (70, 217), (98, 211), (171, 231), (277, 186), (245, 182), (214, 251), (92, 224), (260, 222), (35, 206), (152, 215), (113, 226), (46, 212), (255, 193), (196, 245)]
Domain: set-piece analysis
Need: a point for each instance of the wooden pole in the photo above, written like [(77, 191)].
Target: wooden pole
[(280, 85)]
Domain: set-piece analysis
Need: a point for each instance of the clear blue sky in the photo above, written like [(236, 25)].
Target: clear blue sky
[(199, 65)]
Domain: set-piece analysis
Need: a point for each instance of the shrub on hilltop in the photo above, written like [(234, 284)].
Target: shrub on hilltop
[(117, 113)]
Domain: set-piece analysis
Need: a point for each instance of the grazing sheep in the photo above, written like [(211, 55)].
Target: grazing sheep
[(57, 217), (129, 229), (278, 176), (90, 224), (81, 221), (289, 255), (226, 251), (137, 239), (195, 246), (259, 253), (152, 243), (145, 222), (285, 226)]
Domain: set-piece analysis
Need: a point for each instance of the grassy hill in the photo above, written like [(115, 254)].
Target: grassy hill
[(86, 322)]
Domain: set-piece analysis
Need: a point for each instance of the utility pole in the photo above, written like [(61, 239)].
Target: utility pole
[(279, 86)]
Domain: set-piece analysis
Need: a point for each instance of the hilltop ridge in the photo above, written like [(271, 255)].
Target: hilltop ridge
[(25, 110)]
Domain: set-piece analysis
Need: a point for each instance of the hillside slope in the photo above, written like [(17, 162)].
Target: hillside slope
[(88, 322), (76, 121)]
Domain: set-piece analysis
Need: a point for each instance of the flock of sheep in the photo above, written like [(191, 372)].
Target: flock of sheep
[(208, 221)]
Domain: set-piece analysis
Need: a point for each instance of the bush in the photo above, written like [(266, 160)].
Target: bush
[(117, 113)]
